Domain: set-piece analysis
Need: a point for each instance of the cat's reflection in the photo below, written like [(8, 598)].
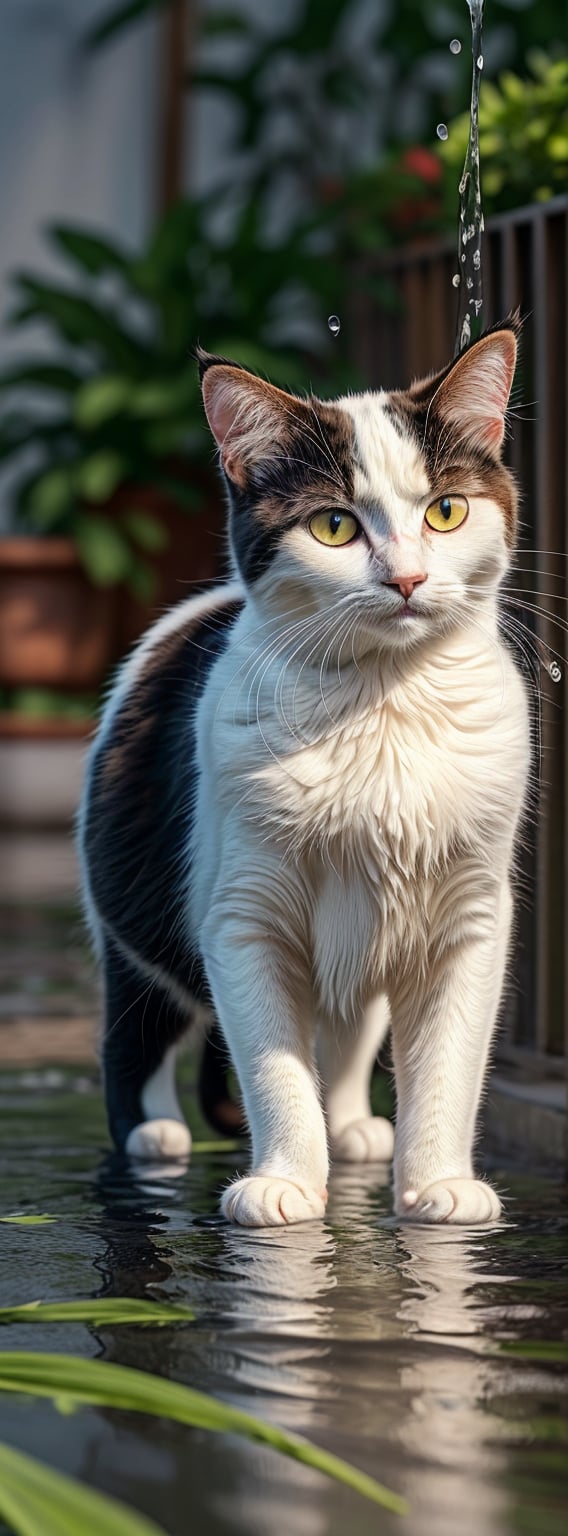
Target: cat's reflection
[(452, 1456), (361, 1333)]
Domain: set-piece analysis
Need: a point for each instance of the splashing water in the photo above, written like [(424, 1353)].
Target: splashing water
[(334, 324), (471, 216), (455, 45)]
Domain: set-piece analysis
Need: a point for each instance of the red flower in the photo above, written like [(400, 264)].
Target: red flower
[(421, 162), (412, 212)]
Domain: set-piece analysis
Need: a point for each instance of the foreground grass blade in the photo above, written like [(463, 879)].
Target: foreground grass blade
[(555, 1350), (35, 1501), (21, 1220), (74, 1381), (101, 1310), (219, 1146)]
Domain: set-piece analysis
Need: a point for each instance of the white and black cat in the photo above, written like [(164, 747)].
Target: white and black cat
[(302, 801)]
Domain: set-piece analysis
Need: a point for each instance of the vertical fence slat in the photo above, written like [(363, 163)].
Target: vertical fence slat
[(525, 255)]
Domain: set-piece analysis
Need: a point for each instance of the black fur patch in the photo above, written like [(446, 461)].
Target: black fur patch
[(140, 800), (316, 461)]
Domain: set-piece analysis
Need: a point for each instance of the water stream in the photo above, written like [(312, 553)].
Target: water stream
[(468, 277)]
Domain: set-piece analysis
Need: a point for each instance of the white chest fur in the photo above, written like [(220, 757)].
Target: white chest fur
[(373, 813)]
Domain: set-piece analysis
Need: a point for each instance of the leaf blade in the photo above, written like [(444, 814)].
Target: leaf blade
[(37, 1501), (104, 1311), (103, 1384)]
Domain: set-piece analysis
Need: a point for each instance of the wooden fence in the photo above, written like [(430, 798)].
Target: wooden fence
[(525, 263)]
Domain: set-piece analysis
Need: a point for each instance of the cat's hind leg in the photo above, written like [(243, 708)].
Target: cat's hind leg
[(346, 1059), (143, 1027)]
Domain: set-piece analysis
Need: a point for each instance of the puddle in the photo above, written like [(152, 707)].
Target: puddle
[(382, 1343)]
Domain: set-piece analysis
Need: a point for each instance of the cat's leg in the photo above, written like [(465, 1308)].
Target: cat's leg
[(260, 983), (346, 1058), (442, 1028), (142, 1029)]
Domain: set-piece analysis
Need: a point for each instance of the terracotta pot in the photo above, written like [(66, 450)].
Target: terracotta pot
[(195, 551), (56, 630)]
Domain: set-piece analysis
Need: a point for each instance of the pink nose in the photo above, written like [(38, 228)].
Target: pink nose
[(406, 584)]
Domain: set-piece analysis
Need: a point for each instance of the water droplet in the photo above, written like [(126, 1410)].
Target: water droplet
[(456, 280), (555, 671), (334, 324), (469, 282), (455, 45), (480, 61), (442, 131), (477, 260)]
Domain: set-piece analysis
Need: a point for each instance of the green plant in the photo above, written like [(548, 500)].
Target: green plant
[(523, 138), (36, 1501), (341, 80), (101, 1311), (117, 406), (70, 1380), (50, 704)]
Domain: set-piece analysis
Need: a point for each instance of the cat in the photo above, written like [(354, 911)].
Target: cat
[(301, 806)]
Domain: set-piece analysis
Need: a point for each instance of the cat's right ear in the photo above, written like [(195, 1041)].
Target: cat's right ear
[(248, 418)]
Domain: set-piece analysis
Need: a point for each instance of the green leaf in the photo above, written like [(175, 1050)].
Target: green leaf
[(555, 1350), (103, 549), (100, 474), (52, 704), (36, 1501), (79, 321), (106, 1385), (91, 252), (227, 1145), (146, 531), (43, 376), (225, 23), (100, 398), (164, 397), (103, 1311), (51, 497), (21, 1220)]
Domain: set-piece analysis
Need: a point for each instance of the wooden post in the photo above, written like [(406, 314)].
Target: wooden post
[(177, 30)]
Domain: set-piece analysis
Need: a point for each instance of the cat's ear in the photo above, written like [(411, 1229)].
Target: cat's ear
[(249, 419), (473, 397)]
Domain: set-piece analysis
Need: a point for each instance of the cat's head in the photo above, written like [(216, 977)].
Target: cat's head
[(395, 505)]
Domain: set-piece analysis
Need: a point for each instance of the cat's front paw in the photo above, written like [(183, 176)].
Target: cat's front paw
[(461, 1202), (260, 1201), (157, 1139), (364, 1141)]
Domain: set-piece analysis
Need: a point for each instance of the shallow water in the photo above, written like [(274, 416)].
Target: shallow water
[(384, 1343)]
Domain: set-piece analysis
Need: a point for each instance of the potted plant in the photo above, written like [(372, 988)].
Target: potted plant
[(114, 422)]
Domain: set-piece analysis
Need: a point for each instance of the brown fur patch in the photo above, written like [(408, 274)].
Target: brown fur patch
[(451, 463)]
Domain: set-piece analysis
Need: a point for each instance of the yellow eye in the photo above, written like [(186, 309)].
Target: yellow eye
[(447, 513), (334, 528)]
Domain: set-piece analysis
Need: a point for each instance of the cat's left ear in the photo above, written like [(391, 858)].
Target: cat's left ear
[(473, 397), (249, 419)]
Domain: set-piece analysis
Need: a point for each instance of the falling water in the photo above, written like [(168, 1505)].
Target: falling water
[(469, 284), (334, 324)]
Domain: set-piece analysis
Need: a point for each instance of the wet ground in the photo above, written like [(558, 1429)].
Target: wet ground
[(430, 1358)]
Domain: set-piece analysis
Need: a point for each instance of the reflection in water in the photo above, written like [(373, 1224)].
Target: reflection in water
[(447, 1430), (377, 1340)]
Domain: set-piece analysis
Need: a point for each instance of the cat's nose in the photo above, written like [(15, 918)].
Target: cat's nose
[(406, 584)]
